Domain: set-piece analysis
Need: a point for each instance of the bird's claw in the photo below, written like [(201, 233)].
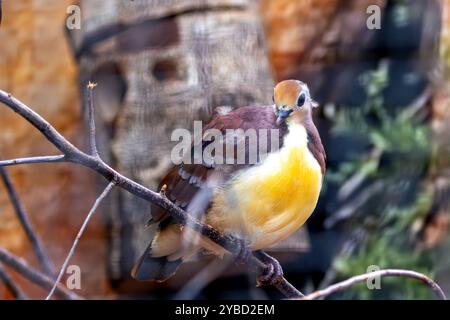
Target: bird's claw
[(245, 252), (271, 274)]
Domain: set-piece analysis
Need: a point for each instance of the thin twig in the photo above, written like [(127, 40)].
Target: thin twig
[(34, 275), (75, 155), (78, 237), (371, 275), (91, 119), (15, 290), (32, 236), (32, 160)]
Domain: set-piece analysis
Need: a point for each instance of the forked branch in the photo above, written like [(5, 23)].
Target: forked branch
[(31, 234), (37, 277), (70, 153), (95, 163), (9, 283)]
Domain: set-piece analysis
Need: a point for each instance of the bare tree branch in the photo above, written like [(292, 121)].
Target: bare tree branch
[(75, 155), (15, 290), (91, 119), (371, 275), (42, 257), (40, 123), (78, 237), (35, 276), (32, 160)]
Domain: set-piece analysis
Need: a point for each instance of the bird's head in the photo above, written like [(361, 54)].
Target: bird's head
[(292, 101)]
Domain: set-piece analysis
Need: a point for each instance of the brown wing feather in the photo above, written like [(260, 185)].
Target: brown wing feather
[(185, 181), (315, 145)]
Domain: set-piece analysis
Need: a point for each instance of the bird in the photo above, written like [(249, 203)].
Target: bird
[(262, 203)]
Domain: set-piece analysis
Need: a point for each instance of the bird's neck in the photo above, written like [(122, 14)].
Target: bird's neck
[(302, 118), (304, 121)]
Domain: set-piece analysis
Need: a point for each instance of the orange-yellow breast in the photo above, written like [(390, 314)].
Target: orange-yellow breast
[(269, 202)]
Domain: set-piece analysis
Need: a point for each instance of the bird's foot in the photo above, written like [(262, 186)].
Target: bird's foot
[(272, 272), (245, 252)]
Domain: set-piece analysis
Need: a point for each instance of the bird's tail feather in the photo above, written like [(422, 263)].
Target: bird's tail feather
[(162, 257), (169, 248), (154, 268)]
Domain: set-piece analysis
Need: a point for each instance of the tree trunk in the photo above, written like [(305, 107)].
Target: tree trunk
[(159, 66)]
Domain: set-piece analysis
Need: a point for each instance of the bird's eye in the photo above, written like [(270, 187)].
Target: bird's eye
[(301, 100)]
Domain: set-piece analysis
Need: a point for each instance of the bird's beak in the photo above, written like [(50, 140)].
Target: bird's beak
[(282, 115)]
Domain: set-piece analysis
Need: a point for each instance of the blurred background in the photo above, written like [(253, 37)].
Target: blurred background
[(160, 65)]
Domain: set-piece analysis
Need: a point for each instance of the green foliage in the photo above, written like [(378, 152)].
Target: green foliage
[(390, 233), (366, 166), (383, 253), (391, 245), (385, 132)]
